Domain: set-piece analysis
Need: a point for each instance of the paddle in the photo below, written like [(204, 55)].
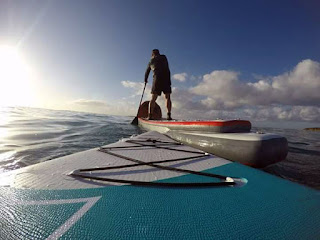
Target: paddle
[(135, 120)]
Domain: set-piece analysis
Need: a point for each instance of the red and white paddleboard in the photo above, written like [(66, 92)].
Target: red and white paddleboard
[(217, 126), (162, 125)]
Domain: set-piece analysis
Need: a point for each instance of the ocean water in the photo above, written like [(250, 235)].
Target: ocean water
[(30, 135)]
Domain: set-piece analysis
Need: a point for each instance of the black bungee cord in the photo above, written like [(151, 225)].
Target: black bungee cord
[(227, 181)]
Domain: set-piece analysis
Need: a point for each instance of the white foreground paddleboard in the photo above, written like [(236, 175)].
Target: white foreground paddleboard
[(151, 187)]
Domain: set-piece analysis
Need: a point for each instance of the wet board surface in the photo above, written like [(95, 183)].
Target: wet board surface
[(43, 201)]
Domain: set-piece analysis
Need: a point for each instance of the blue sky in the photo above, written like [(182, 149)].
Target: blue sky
[(91, 55)]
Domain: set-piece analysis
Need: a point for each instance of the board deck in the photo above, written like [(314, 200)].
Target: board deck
[(44, 202), (54, 174)]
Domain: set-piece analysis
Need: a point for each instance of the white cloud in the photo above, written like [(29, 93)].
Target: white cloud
[(224, 90), (123, 108), (90, 103), (300, 86), (137, 88), (130, 84), (120, 107), (289, 113), (181, 77)]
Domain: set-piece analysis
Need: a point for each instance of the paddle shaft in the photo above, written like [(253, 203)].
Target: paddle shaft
[(135, 120), (145, 84)]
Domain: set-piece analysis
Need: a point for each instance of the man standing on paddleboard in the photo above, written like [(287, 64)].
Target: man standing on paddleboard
[(161, 81)]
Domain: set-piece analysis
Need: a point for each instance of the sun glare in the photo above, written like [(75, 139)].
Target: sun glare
[(15, 82)]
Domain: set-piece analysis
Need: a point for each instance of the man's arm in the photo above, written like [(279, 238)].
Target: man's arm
[(146, 75)]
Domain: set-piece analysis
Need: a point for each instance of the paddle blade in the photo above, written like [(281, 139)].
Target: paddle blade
[(135, 121)]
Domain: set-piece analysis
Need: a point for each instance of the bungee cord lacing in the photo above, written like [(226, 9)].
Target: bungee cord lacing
[(153, 143)]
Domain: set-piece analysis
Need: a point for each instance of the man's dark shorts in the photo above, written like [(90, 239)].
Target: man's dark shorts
[(161, 84), (158, 89)]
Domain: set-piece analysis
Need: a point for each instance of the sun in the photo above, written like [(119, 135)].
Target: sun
[(15, 81)]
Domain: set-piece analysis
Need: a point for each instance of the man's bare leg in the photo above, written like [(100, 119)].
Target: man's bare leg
[(169, 105), (152, 105)]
